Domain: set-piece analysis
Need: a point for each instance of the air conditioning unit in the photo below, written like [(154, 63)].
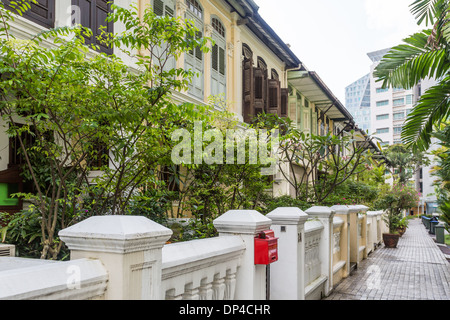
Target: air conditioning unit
[(7, 250)]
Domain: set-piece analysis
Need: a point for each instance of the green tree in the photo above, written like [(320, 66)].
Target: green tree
[(422, 55), (87, 113), (403, 163), (316, 165), (442, 172), (394, 200)]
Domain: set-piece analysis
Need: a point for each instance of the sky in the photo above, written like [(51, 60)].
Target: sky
[(333, 37)]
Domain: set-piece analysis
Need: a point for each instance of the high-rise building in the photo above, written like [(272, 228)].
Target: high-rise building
[(383, 111), (389, 106), (357, 102)]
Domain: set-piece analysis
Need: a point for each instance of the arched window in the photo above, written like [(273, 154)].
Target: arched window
[(261, 64), (247, 52), (275, 75), (218, 58), (194, 58)]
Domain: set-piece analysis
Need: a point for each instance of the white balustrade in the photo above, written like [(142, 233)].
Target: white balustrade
[(201, 269), (126, 257)]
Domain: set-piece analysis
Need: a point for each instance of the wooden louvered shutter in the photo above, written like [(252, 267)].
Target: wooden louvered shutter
[(293, 110), (274, 96), (248, 90), (102, 8), (260, 90), (164, 8), (218, 79), (158, 7), (314, 121), (42, 12), (93, 16), (284, 103), (222, 61), (198, 51), (215, 57)]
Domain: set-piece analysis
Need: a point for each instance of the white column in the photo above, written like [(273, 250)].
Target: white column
[(130, 249), (287, 275), (344, 213), (325, 215), (250, 278)]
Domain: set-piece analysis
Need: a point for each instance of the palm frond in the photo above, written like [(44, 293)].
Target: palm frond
[(432, 108), (428, 10), (406, 64)]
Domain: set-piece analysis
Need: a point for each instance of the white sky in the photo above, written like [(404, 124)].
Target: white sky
[(333, 37)]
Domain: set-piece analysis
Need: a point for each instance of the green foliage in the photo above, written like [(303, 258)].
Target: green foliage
[(352, 193), (208, 190), (442, 173), (404, 162), (316, 165), (272, 203), (73, 104), (422, 55), (393, 201), (24, 230)]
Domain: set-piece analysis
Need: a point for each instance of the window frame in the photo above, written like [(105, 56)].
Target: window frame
[(196, 57), (93, 22), (32, 16), (218, 57)]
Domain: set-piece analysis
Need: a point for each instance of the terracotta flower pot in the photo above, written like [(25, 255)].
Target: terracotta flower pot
[(401, 231), (390, 240)]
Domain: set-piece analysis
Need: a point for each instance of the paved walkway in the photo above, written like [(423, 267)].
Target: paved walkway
[(415, 270)]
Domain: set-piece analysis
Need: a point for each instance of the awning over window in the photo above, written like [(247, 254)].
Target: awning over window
[(309, 84)]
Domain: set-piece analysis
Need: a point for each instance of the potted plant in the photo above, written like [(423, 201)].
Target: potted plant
[(402, 226), (394, 201)]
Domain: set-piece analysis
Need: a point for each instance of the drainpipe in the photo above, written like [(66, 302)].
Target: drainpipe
[(298, 68)]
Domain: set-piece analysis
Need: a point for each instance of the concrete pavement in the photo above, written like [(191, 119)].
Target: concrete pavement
[(415, 270)]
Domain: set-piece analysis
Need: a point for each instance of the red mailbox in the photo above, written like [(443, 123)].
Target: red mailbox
[(266, 248)]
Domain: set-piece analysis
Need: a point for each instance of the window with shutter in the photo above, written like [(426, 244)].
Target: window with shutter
[(293, 110), (93, 16), (314, 122), (198, 51), (299, 113), (194, 58), (306, 117), (274, 74), (261, 63), (274, 96), (248, 92), (42, 12), (215, 57), (164, 8), (158, 7), (284, 103), (259, 90), (222, 61), (218, 78)]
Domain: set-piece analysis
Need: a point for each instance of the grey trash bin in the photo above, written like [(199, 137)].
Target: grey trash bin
[(433, 223), (440, 234), (426, 222)]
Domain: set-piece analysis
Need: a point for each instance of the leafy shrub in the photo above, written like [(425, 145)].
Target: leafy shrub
[(23, 229), (272, 203)]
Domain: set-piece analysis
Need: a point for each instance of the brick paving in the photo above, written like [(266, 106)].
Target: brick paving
[(415, 270)]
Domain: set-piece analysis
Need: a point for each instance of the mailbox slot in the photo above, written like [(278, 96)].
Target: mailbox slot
[(266, 248)]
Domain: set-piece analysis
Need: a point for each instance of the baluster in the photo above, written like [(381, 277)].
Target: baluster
[(206, 290), (190, 293), (170, 295), (218, 286), (230, 283)]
